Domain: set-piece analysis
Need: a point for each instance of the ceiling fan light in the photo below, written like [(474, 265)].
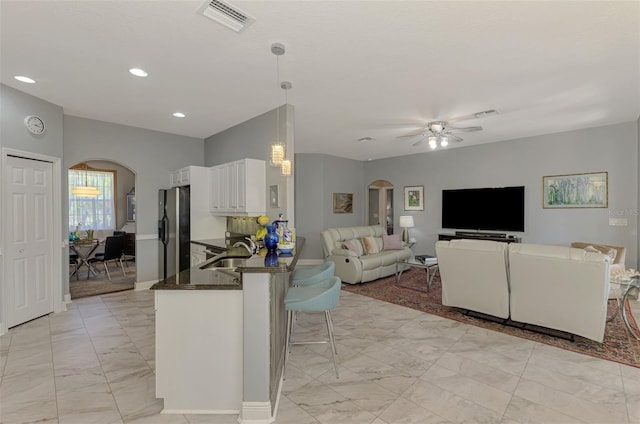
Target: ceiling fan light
[(444, 141), (433, 142)]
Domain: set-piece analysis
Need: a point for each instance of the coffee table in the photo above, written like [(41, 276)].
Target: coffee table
[(629, 283), (427, 262)]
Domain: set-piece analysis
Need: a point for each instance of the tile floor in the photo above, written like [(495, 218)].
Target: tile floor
[(95, 364)]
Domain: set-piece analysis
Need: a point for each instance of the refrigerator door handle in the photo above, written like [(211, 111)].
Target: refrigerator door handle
[(164, 230)]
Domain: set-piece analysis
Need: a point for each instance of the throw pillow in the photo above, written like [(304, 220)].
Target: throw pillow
[(609, 251), (370, 245), (392, 242), (353, 246)]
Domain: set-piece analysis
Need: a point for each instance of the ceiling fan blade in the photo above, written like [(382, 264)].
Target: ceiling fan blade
[(482, 114), (455, 137), (419, 142), (422, 132), (463, 129)]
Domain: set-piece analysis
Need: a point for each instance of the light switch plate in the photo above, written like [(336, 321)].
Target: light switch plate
[(618, 222)]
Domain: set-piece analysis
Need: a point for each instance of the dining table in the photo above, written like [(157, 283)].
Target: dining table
[(84, 249)]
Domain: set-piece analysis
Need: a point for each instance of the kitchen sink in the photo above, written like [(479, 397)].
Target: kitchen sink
[(225, 263)]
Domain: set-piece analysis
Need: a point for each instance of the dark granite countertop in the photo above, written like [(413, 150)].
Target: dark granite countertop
[(200, 277)]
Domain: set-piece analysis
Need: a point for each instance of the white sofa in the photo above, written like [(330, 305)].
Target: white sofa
[(355, 268), (474, 275), (557, 287), (560, 287)]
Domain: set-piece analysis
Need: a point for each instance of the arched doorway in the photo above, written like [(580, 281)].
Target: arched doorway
[(381, 204), (111, 212)]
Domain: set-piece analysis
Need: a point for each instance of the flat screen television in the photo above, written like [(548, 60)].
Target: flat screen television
[(494, 209)]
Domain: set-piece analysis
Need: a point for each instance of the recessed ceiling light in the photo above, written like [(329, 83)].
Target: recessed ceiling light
[(138, 72), (366, 139), (179, 114), (25, 79)]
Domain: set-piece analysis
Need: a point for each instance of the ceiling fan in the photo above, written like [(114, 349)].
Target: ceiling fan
[(441, 132)]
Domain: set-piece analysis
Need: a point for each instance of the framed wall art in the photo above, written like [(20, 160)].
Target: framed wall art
[(414, 198), (342, 202), (589, 190)]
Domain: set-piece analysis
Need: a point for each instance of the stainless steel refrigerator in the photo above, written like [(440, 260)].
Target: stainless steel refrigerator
[(173, 231)]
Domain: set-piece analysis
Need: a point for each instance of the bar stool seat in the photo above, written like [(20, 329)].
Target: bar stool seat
[(314, 274), (322, 296)]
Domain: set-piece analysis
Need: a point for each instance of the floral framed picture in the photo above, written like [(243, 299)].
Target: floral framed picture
[(414, 198), (589, 190), (342, 202)]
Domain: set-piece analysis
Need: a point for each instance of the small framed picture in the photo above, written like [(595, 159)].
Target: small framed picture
[(274, 197), (414, 198), (342, 202)]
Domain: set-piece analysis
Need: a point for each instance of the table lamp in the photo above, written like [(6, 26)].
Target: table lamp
[(406, 222)]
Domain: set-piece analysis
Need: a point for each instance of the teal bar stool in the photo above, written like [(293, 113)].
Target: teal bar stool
[(319, 297), (314, 274)]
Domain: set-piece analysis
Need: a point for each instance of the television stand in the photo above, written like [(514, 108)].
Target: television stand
[(472, 234), (480, 236)]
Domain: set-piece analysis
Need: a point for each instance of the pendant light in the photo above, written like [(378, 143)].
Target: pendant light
[(85, 191), (278, 152), (285, 168)]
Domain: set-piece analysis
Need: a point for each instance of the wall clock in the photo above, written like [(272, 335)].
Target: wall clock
[(34, 124)]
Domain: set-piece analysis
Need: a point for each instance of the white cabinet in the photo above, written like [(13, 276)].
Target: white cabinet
[(202, 224), (238, 188), (181, 177)]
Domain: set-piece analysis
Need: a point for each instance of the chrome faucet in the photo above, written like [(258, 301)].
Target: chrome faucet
[(251, 249)]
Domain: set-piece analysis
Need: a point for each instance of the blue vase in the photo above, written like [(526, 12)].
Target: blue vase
[(271, 259), (271, 239)]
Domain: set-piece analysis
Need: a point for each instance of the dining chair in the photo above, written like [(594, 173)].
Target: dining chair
[(113, 248), (319, 297)]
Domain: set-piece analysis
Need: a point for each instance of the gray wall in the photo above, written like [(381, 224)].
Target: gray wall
[(317, 178), (253, 139), (15, 106), (151, 155), (519, 162), (524, 162)]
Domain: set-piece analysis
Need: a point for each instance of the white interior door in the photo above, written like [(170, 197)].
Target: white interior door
[(29, 243)]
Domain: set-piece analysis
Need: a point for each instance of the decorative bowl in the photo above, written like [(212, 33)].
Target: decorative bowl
[(286, 247)]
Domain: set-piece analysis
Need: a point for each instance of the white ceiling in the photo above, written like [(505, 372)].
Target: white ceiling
[(359, 69)]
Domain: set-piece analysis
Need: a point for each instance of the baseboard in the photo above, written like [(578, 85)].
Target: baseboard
[(67, 300), (145, 285), (256, 413), (200, 411)]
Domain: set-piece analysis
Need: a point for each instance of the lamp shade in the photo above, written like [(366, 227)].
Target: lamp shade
[(406, 221), (84, 191)]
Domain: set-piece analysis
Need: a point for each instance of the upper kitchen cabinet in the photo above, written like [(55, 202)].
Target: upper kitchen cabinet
[(202, 224), (181, 177), (238, 188)]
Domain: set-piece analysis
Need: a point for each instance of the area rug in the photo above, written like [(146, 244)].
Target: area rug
[(100, 284), (411, 292)]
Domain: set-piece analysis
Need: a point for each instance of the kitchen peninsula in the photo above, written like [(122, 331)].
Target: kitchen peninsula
[(220, 336)]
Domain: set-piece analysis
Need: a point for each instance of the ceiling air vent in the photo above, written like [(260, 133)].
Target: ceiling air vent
[(227, 15)]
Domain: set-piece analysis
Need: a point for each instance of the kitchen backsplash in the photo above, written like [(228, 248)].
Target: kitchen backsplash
[(242, 224)]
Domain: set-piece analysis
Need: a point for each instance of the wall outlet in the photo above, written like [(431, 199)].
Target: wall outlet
[(618, 222)]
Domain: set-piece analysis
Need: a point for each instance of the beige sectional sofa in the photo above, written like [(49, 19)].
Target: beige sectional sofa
[(358, 265), (557, 287)]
